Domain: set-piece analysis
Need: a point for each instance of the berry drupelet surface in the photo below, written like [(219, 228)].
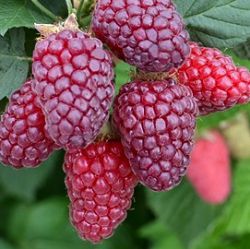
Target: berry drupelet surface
[(74, 82), (100, 186), (147, 34), (156, 121), (24, 140), (216, 82)]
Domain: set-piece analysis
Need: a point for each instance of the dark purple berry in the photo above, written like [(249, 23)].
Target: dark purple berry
[(156, 121), (147, 34)]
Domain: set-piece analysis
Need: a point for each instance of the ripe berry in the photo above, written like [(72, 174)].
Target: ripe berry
[(209, 170), (73, 79), (147, 34), (156, 121), (24, 141), (100, 186), (215, 81)]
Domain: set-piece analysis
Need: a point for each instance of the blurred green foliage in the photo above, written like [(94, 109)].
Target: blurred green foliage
[(33, 203)]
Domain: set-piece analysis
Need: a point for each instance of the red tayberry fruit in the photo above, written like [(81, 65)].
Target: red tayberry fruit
[(147, 34), (209, 171), (216, 82), (73, 79), (100, 186), (24, 141), (156, 121)]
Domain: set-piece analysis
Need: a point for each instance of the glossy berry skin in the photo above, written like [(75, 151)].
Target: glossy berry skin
[(24, 141), (215, 81), (100, 186), (156, 121), (147, 34), (73, 79), (209, 171)]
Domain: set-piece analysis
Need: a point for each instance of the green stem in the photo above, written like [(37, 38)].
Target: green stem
[(79, 10), (44, 9), (69, 6)]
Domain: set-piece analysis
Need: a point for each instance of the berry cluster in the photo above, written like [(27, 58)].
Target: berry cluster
[(68, 101)]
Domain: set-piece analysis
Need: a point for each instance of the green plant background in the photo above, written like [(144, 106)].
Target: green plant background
[(33, 203)]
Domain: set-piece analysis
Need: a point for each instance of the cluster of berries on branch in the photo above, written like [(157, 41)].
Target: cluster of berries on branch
[(69, 99)]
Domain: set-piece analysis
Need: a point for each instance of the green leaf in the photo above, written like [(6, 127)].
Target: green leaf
[(17, 219), (237, 213), (5, 245), (43, 225), (212, 236), (217, 23), (46, 225), (241, 242), (20, 13), (13, 62), (182, 211), (46, 219), (216, 238), (159, 236), (24, 183)]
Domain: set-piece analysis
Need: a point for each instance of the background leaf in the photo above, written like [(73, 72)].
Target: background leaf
[(24, 183), (182, 211), (5, 245), (46, 225), (160, 236), (43, 225), (20, 13), (13, 62), (237, 213), (222, 24)]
